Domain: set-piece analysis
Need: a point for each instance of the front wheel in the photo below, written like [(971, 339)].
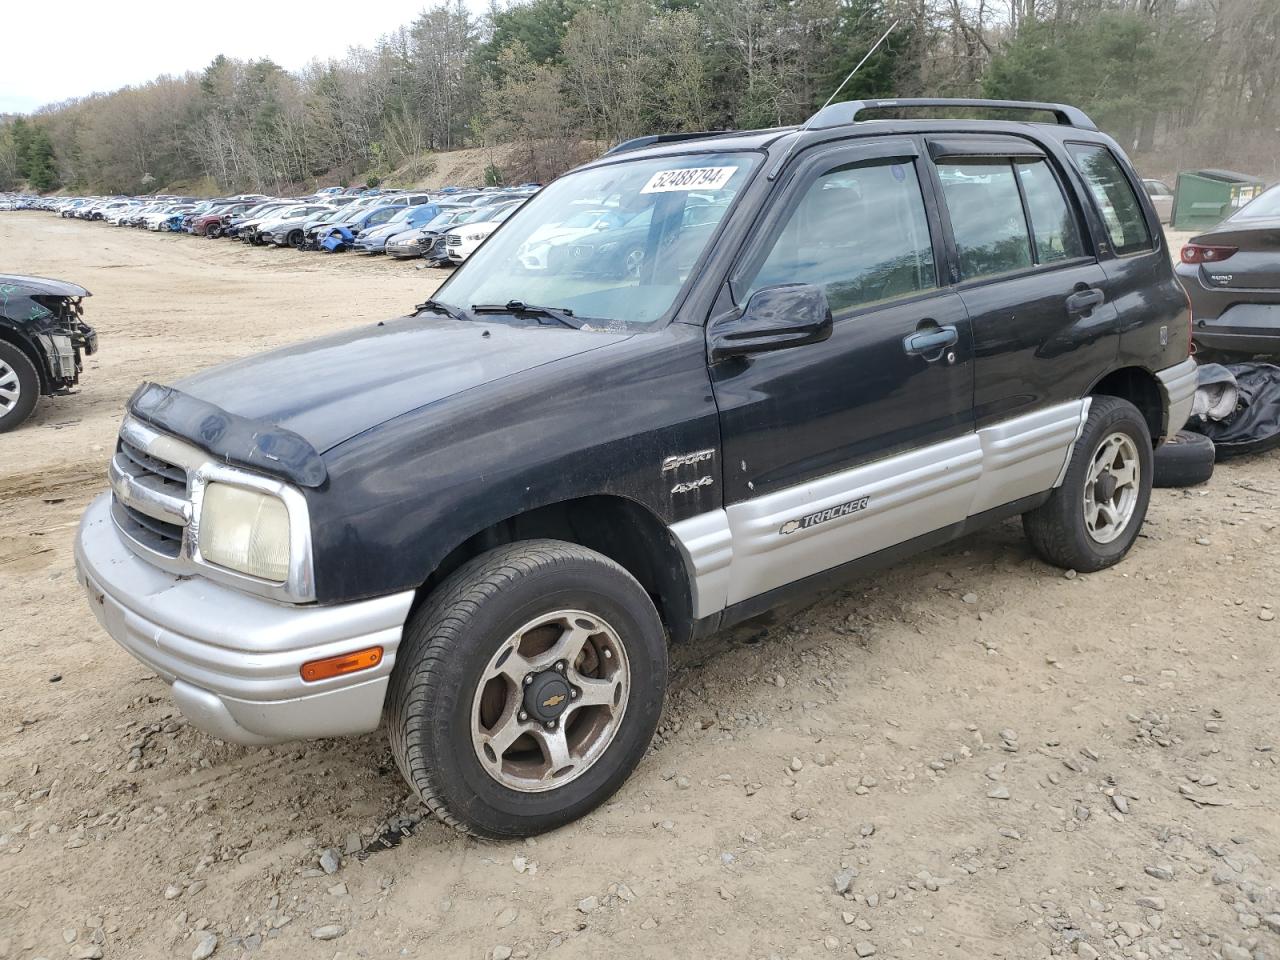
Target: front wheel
[(527, 688), (19, 386), (1092, 519)]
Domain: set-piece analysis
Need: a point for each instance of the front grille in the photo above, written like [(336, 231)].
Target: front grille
[(163, 536)]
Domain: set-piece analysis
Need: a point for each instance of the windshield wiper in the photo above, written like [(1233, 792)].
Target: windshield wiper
[(435, 306), (519, 307)]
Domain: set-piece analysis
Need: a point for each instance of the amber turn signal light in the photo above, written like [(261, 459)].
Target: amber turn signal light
[(343, 663)]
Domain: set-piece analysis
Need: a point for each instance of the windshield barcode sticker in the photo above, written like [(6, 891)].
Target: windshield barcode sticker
[(689, 178)]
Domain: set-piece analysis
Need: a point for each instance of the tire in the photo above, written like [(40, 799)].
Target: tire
[(213, 231), (1184, 460), (445, 694), (295, 239), (1060, 530), (19, 387)]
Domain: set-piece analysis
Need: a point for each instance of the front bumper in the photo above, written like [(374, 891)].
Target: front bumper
[(232, 659)]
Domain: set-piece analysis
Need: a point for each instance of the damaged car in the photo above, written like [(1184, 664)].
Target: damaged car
[(43, 340)]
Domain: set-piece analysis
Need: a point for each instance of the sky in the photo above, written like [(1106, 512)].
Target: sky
[(71, 48)]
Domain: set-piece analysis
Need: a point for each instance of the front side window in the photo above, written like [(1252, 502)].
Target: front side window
[(613, 244), (1126, 223), (987, 220), (860, 232)]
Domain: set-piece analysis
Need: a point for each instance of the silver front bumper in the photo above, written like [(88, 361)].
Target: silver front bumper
[(232, 659)]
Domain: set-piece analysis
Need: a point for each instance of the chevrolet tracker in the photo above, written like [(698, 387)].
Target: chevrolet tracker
[(679, 384)]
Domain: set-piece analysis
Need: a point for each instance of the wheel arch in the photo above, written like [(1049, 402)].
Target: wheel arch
[(31, 352), (1141, 388), (621, 529)]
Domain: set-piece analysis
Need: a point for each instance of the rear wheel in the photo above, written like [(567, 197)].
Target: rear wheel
[(527, 688), (295, 239), (1092, 519), (19, 386), (214, 231)]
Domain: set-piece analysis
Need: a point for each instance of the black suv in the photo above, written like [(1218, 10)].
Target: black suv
[(840, 344)]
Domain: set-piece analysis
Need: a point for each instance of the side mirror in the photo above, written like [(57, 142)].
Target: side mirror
[(775, 318)]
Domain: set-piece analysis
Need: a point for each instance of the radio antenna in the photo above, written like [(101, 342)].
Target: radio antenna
[(843, 83)]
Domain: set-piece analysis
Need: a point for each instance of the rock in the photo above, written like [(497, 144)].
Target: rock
[(172, 892), (867, 829), (90, 953), (330, 931), (1266, 615), (69, 935), (1212, 726), (796, 764), (1120, 803), (625, 893), (352, 845), (330, 860), (339, 889), (501, 952), (844, 880), (1150, 903), (205, 946), (847, 917), (1159, 872), (800, 813), (648, 924), (588, 904), (1272, 922), (682, 783), (831, 943), (967, 598), (998, 793), (864, 948), (1085, 951), (1231, 951), (507, 917)]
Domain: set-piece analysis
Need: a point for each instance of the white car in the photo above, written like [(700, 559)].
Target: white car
[(461, 241), (535, 251)]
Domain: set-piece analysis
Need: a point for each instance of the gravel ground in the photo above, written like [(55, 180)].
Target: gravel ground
[(970, 755)]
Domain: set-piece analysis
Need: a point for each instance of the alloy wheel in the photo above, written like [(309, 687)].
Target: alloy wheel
[(10, 388), (1111, 487), (550, 701)]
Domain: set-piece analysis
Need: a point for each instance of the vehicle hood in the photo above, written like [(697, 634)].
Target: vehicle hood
[(332, 389), (14, 285)]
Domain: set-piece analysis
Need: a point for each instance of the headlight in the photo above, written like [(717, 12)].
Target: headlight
[(246, 531)]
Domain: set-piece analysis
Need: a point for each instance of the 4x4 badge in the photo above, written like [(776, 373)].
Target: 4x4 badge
[(822, 516)]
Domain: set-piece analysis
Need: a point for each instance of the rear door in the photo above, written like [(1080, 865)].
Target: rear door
[(838, 449), (1044, 327)]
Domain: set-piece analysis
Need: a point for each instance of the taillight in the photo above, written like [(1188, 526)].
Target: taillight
[(1204, 253)]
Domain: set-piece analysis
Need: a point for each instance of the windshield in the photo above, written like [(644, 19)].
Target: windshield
[(1263, 207), (614, 243)]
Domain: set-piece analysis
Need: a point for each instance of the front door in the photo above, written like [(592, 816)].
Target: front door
[(838, 449)]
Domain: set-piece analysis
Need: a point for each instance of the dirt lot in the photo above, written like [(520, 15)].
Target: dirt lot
[(989, 758)]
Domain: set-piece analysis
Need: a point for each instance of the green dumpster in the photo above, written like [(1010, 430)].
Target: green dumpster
[(1205, 197)]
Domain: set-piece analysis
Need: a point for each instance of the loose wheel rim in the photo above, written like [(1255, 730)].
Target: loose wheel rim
[(1111, 488), (10, 387), (550, 701)]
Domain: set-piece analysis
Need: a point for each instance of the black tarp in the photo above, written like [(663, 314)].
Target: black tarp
[(1254, 425)]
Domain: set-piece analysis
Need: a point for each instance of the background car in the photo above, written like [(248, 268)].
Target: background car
[(1161, 198), (1231, 273)]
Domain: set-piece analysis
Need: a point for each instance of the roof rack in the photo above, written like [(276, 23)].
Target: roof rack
[(838, 114), (638, 142)]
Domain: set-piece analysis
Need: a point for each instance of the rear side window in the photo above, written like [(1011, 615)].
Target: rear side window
[(1054, 229), (1126, 223), (987, 219), (860, 232)]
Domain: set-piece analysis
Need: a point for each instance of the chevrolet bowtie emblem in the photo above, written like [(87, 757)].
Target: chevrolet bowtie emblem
[(554, 701)]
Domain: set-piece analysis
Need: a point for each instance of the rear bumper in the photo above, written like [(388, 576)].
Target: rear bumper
[(1242, 328), (232, 659), (1178, 386)]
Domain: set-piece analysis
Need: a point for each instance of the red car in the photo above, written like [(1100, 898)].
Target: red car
[(211, 224)]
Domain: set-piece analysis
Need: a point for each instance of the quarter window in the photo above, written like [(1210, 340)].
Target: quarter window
[(860, 232), (1126, 223), (987, 219)]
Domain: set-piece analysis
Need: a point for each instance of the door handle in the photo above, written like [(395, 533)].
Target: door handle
[(1083, 301), (931, 340)]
